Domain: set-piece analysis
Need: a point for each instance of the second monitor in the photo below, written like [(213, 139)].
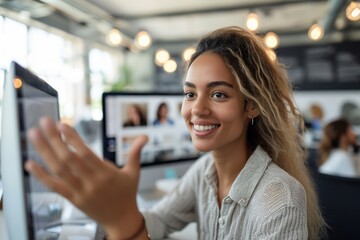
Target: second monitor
[(157, 115)]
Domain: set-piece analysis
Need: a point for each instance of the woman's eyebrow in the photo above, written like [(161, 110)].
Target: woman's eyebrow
[(189, 84), (210, 85), (219, 83)]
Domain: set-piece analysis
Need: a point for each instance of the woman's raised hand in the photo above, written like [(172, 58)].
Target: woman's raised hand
[(104, 192)]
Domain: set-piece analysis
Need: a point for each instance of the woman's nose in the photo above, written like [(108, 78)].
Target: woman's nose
[(200, 107)]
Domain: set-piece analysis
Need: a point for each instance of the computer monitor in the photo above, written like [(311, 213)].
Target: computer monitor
[(126, 115), (31, 211)]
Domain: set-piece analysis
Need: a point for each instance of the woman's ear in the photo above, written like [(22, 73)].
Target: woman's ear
[(252, 110)]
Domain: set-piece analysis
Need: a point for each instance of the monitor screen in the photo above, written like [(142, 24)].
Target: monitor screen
[(32, 212), (157, 115), (26, 99)]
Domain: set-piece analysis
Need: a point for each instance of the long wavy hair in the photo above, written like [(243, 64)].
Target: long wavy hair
[(279, 127), (332, 133)]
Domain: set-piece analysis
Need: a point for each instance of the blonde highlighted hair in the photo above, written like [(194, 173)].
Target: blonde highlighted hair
[(278, 128)]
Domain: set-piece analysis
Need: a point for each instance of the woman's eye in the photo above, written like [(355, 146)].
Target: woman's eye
[(219, 95), (189, 95)]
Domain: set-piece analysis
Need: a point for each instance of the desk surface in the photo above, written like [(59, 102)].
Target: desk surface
[(188, 233)]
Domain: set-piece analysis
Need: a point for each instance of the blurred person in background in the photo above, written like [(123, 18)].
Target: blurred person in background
[(317, 115), (337, 150)]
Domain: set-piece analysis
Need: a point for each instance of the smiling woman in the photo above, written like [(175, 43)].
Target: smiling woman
[(252, 184), (238, 107)]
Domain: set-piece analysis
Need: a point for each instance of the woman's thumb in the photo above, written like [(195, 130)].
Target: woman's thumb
[(135, 153)]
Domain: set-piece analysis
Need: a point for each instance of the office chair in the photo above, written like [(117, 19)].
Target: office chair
[(313, 156), (339, 199)]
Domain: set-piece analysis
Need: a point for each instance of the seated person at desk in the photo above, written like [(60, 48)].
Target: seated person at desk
[(336, 153), (252, 184)]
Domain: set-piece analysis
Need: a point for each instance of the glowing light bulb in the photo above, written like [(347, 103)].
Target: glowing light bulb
[(188, 52), (114, 37), (252, 22), (353, 11), (271, 40), (271, 54), (161, 56), (170, 66), (316, 32), (143, 40)]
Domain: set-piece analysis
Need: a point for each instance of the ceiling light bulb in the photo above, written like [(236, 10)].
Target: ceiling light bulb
[(161, 56), (316, 32), (252, 22), (114, 37), (353, 11), (271, 53), (170, 66), (188, 52), (143, 40), (271, 40)]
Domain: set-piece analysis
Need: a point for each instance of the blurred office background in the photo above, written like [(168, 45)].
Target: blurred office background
[(84, 48)]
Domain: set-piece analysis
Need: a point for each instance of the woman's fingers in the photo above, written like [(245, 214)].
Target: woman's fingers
[(50, 181), (55, 166), (86, 156), (61, 149)]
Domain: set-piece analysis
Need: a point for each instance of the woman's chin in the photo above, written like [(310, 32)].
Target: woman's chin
[(202, 147)]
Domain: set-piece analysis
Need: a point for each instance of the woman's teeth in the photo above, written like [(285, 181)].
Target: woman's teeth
[(204, 127)]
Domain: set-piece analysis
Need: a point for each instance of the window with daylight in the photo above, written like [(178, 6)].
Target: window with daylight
[(104, 72)]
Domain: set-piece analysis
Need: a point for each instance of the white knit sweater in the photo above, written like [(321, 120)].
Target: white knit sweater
[(264, 202)]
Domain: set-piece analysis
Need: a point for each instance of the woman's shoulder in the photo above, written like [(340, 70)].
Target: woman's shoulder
[(277, 189), (276, 176)]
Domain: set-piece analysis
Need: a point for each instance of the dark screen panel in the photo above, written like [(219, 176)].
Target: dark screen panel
[(334, 66)]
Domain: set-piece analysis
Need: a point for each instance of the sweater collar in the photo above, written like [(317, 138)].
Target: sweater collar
[(248, 178)]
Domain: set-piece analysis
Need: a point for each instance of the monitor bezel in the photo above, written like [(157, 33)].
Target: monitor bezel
[(16, 206)]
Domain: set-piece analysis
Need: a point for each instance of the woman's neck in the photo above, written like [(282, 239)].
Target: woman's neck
[(228, 164)]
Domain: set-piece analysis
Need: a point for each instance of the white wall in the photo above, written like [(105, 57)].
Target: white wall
[(330, 101)]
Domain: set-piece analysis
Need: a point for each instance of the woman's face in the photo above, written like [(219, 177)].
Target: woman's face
[(213, 107), (163, 112)]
